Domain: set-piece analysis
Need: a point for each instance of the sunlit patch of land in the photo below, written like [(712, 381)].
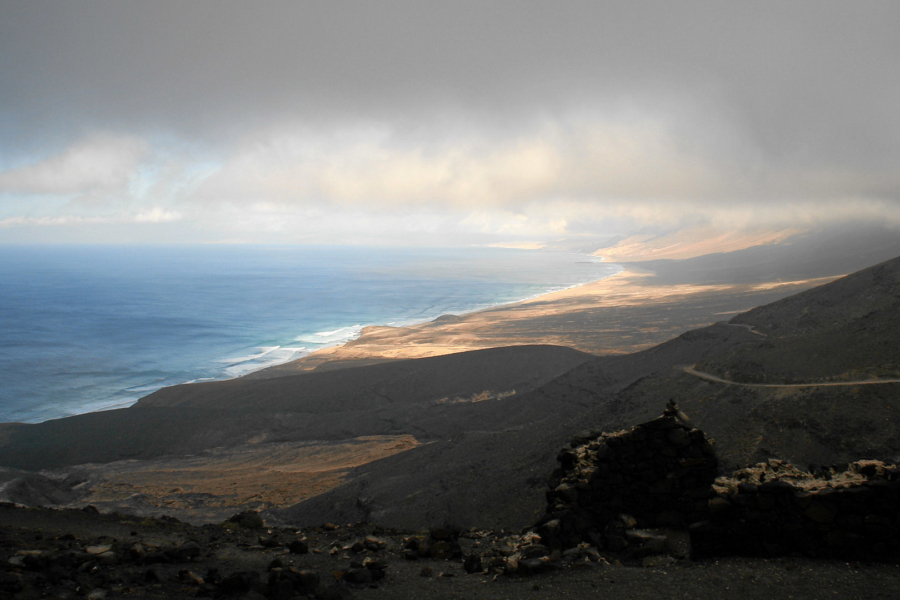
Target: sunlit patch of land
[(210, 486), (690, 243), (624, 313)]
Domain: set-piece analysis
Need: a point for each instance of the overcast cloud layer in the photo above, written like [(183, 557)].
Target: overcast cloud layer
[(464, 122)]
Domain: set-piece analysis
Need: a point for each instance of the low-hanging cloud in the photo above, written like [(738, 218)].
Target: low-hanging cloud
[(99, 164), (573, 176), (454, 121), (613, 166), (378, 167), (153, 215)]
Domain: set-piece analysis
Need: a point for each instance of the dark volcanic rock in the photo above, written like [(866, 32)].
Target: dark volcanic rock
[(657, 474), (249, 519), (240, 583), (473, 564), (775, 508)]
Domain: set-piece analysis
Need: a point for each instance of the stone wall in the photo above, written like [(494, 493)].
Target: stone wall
[(657, 474), (616, 491), (847, 511)]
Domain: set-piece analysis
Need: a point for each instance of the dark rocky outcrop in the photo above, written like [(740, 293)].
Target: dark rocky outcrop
[(249, 519), (108, 555), (627, 492), (846, 511), (656, 474)]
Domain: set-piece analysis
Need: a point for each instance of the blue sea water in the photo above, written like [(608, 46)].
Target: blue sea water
[(85, 328)]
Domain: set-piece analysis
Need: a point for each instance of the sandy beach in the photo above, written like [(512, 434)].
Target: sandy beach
[(624, 313)]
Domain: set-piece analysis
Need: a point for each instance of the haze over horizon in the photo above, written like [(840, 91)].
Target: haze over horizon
[(456, 124)]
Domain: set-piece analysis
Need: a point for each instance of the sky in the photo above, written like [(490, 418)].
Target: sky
[(455, 123)]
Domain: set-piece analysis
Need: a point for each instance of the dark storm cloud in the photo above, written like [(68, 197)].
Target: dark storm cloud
[(500, 118), (802, 79)]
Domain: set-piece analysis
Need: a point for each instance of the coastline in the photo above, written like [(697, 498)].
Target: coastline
[(417, 323), (368, 333), (224, 343), (618, 314), (626, 311)]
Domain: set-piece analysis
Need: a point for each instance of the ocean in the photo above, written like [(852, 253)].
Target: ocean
[(86, 328)]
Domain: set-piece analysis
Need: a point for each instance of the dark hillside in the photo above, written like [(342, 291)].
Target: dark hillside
[(494, 475), (422, 397), (398, 382), (803, 425), (870, 293), (843, 331)]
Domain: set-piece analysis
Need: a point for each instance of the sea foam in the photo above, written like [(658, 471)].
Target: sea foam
[(87, 328)]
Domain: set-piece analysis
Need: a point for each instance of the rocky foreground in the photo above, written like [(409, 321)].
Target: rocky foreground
[(47, 553), (628, 512)]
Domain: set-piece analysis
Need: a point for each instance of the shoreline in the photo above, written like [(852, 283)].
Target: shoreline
[(415, 323), (622, 313), (124, 398)]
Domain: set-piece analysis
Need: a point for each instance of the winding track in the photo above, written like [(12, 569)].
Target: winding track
[(749, 328), (690, 370)]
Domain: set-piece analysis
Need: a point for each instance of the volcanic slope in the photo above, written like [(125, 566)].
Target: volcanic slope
[(844, 331), (495, 473), (496, 476), (416, 397)]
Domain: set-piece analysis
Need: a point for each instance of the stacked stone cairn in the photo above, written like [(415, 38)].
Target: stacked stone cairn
[(611, 487), (847, 511)]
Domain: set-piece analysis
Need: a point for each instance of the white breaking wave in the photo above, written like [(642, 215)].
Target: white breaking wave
[(240, 359), (270, 357), (330, 337)]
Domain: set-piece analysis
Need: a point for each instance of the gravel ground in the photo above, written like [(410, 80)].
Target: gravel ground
[(62, 533), (727, 578)]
